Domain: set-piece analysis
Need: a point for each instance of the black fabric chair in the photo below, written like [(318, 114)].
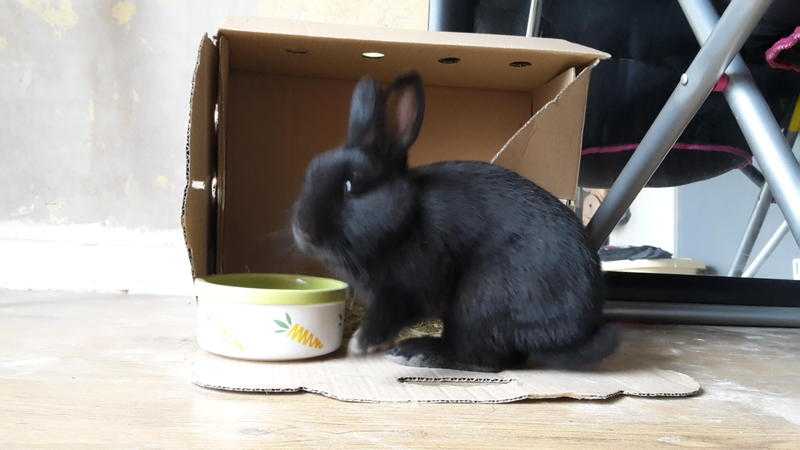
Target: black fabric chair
[(651, 43)]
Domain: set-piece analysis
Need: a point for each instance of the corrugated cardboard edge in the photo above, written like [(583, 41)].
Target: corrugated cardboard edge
[(564, 395), (514, 152), (200, 137), (266, 25), (222, 148), (681, 385)]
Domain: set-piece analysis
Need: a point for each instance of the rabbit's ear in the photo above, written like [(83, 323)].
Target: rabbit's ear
[(366, 109), (405, 107)]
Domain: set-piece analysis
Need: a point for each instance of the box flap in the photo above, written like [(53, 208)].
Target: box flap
[(198, 210), (538, 150), (335, 51)]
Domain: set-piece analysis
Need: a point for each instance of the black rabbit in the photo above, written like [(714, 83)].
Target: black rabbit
[(502, 262)]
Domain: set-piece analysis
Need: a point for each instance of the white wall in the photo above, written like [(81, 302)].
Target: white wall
[(93, 257), (713, 216), (653, 221)]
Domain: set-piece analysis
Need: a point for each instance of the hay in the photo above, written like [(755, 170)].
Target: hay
[(355, 312)]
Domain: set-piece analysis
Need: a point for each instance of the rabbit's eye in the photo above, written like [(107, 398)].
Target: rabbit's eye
[(348, 186)]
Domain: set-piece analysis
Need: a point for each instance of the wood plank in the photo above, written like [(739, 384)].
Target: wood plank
[(113, 370)]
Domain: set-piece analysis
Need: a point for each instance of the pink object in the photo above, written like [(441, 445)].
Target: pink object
[(722, 83), (780, 46), (748, 158)]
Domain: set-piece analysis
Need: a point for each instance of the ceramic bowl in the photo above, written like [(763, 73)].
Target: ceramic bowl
[(269, 317)]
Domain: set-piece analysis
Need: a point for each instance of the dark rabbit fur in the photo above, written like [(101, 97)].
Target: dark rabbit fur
[(503, 263)]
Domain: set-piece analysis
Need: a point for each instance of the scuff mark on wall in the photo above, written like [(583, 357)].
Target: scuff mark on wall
[(90, 118), (55, 211), (23, 210), (90, 111), (146, 44), (127, 188), (161, 182), (122, 12), (59, 15), (20, 76)]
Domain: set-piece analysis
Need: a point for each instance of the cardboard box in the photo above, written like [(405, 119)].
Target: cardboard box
[(268, 95)]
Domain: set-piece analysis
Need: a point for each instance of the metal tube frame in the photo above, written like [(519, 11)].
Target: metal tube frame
[(756, 222), (721, 39), (751, 232), (724, 42), (769, 145), (534, 18), (766, 251), (439, 20)]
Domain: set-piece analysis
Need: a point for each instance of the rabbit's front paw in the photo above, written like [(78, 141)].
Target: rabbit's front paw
[(356, 346)]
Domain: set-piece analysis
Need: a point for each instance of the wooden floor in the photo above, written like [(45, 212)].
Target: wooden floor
[(113, 371)]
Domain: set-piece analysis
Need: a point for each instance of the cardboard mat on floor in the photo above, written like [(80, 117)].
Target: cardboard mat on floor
[(375, 379)]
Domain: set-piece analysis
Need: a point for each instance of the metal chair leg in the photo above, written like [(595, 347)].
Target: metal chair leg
[(764, 136), (749, 238), (756, 221), (450, 15), (728, 36), (766, 251), (751, 232), (534, 18)]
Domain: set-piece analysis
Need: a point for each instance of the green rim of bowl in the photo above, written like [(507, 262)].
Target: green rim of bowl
[(270, 289)]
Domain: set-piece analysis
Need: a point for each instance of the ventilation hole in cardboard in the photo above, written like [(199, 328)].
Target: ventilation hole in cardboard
[(199, 185), (519, 64), (449, 60), (372, 55), (296, 51)]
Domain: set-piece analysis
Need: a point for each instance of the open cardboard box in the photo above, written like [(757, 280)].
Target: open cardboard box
[(268, 95)]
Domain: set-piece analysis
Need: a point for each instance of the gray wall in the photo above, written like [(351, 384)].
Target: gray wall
[(94, 97), (712, 216)]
